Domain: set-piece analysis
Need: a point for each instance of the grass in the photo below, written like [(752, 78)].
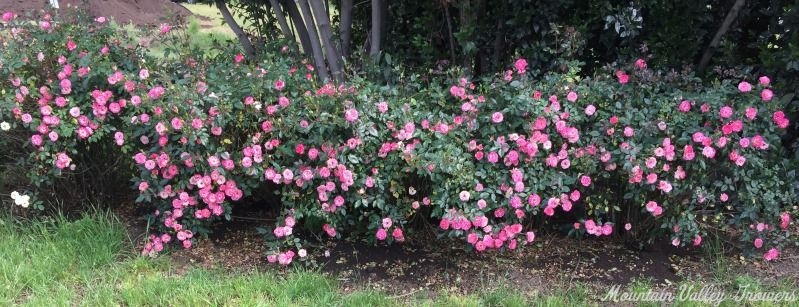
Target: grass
[(211, 20), (90, 262), (199, 32)]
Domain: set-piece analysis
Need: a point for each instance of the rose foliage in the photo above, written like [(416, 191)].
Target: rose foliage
[(631, 151)]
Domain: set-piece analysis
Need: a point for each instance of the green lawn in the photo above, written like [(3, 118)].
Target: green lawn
[(211, 20), (90, 262)]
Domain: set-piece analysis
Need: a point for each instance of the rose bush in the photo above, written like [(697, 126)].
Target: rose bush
[(632, 151)]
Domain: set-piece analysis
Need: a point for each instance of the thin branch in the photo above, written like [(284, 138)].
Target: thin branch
[(326, 36), (725, 26), (243, 39), (319, 59), (281, 19)]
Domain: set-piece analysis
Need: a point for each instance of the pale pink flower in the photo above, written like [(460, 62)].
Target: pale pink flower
[(628, 131), (651, 206), (744, 86), (382, 107), (497, 117), (751, 113), (590, 110), (464, 195), (766, 94), (571, 96), (530, 236), (725, 112), (351, 115), (651, 162), (585, 180), (685, 106), (771, 254), (709, 152)]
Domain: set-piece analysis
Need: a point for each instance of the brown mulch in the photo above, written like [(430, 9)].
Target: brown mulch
[(139, 12), (424, 266)]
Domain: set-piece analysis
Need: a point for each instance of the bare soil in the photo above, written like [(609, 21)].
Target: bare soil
[(139, 12), (424, 266)]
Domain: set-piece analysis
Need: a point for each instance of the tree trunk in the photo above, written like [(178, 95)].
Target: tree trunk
[(302, 31), (377, 31), (479, 56), (326, 35), (466, 22), (281, 20), (725, 26), (243, 39), (450, 37), (499, 43), (346, 27), (318, 55)]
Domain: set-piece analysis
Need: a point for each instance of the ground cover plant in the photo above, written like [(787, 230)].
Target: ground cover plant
[(630, 151)]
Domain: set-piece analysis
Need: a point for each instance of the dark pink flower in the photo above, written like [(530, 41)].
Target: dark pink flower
[(640, 64), (520, 65)]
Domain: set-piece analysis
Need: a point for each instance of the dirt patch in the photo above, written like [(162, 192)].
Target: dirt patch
[(139, 12), (554, 260), (424, 266)]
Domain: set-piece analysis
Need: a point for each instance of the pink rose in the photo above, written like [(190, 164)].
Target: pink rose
[(520, 65), (744, 86), (381, 234), (590, 110), (571, 96), (771, 254), (640, 64), (685, 106), (585, 180), (725, 112), (497, 117), (766, 95)]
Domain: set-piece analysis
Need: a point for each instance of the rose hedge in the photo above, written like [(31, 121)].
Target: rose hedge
[(634, 151)]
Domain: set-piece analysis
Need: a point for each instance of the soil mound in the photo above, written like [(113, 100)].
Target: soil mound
[(139, 12)]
